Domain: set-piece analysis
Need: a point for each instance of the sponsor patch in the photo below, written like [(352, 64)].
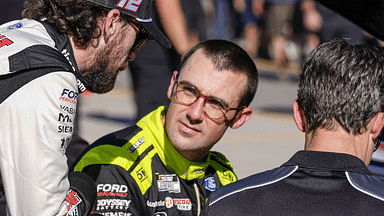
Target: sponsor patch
[(64, 144), (4, 41), (169, 183), (112, 190), (155, 204), (136, 145), (131, 5), (113, 204), (64, 129), (160, 214), (117, 214), (68, 110), (73, 200), (210, 184), (15, 26), (168, 202), (183, 204)]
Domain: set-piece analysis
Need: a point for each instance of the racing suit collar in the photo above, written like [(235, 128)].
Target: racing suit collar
[(329, 161), (63, 44), (183, 167)]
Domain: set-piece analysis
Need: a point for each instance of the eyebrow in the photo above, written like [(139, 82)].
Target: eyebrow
[(190, 84)]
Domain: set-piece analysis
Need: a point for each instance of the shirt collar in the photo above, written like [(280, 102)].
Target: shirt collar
[(183, 167), (329, 161)]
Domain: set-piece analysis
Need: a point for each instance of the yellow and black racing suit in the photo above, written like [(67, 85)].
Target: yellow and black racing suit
[(138, 172)]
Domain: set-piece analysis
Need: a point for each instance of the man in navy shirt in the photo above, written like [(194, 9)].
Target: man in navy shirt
[(340, 109)]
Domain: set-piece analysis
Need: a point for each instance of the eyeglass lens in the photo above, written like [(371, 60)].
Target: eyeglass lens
[(187, 95)]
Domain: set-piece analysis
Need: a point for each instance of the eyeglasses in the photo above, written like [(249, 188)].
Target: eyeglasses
[(142, 36), (214, 108)]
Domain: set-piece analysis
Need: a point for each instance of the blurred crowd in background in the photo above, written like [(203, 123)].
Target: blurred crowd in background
[(282, 31)]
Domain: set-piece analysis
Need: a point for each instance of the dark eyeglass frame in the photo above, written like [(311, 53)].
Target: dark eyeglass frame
[(225, 107), (141, 38)]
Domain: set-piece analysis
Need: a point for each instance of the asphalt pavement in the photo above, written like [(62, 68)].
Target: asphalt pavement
[(266, 141)]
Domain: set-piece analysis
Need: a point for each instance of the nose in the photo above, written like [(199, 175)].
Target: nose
[(196, 111)]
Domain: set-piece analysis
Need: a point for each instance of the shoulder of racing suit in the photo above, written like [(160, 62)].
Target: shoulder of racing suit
[(29, 59), (120, 148), (223, 167), (127, 149), (37, 60)]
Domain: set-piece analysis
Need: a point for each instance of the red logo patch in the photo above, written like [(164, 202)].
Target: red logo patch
[(131, 5)]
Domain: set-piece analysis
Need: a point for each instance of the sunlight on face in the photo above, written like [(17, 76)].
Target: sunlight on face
[(188, 128)]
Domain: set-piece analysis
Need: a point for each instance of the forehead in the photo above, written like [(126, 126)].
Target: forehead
[(227, 85)]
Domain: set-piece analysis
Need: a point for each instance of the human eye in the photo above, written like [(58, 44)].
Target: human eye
[(216, 103), (189, 90)]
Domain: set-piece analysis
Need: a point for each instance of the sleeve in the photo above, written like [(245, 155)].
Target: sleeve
[(117, 191), (205, 211), (36, 127)]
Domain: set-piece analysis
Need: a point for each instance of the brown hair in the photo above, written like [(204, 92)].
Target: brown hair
[(77, 18)]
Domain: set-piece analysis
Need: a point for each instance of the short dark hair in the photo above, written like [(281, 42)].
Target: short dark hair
[(74, 17), (342, 82), (226, 55)]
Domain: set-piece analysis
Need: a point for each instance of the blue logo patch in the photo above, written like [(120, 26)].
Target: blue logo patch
[(210, 184), (15, 26)]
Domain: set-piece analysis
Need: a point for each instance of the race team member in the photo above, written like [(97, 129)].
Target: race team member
[(163, 165), (59, 50), (340, 109)]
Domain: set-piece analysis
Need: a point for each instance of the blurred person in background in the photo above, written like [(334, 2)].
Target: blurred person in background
[(250, 14), (290, 25), (154, 64)]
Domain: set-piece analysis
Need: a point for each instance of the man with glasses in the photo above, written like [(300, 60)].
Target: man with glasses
[(340, 109), (59, 50), (163, 165)]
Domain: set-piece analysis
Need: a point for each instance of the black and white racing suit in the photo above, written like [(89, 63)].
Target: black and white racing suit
[(39, 87)]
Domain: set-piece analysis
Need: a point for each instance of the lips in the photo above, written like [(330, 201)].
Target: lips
[(188, 129)]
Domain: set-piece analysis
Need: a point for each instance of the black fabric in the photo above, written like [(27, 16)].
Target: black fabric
[(101, 173), (86, 188), (75, 147), (29, 64), (328, 161), (38, 56), (62, 43), (310, 183), (151, 81), (368, 14), (12, 82)]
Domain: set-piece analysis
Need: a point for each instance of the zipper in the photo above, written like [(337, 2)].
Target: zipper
[(198, 198)]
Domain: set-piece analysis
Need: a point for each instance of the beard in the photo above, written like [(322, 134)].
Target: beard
[(100, 74)]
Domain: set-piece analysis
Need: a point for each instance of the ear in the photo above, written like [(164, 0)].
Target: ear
[(378, 125), (299, 117), (172, 84), (242, 117), (113, 17)]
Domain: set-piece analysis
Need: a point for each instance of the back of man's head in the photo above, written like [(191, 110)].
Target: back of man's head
[(342, 82)]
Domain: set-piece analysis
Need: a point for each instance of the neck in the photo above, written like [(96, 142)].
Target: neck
[(193, 155), (339, 141)]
